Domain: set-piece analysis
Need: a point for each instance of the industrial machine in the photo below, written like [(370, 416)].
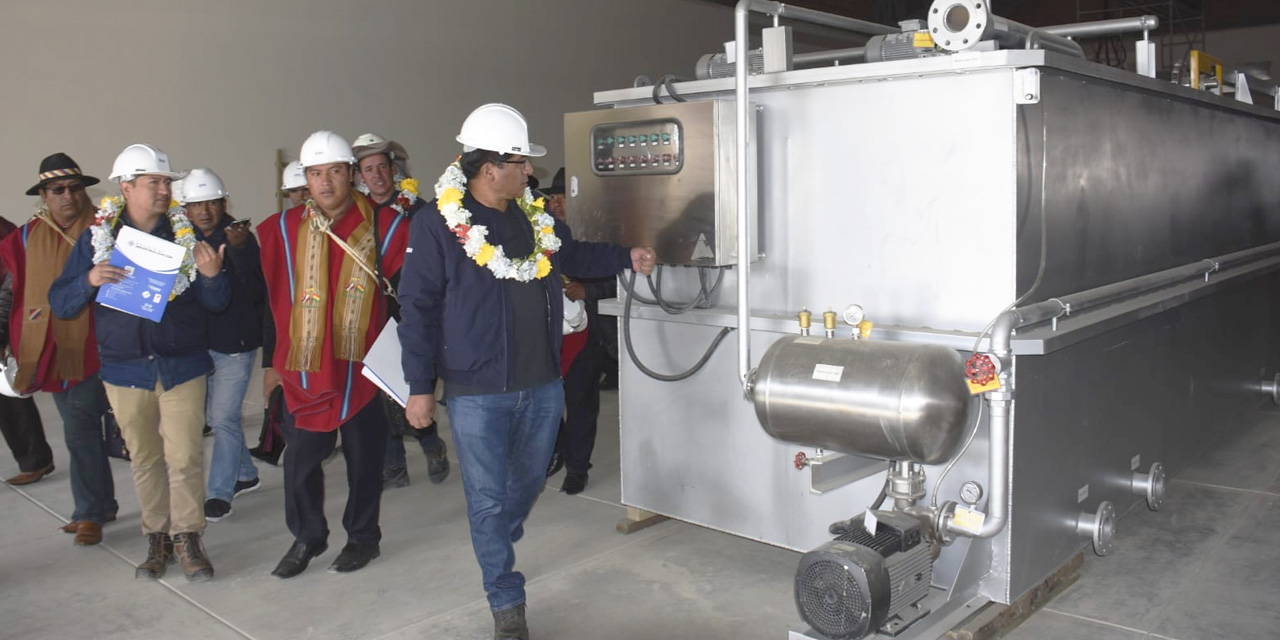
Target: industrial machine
[(1045, 282)]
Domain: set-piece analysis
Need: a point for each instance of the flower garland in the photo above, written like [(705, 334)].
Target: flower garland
[(449, 191), (103, 241), (406, 192)]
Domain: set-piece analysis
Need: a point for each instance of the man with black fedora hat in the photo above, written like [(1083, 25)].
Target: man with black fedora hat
[(59, 355), (60, 185)]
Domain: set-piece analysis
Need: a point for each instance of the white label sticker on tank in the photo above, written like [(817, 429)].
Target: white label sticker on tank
[(1135, 462), (828, 372), (870, 522), (1082, 494), (968, 520), (810, 340)]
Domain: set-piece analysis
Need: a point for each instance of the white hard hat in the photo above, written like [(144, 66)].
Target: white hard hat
[(497, 127), (325, 147), (8, 373), (142, 159), (293, 177), (201, 185), (369, 144)]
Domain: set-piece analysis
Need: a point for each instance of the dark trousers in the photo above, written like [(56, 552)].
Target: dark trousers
[(82, 408), (364, 441), (398, 427), (24, 433), (582, 406)]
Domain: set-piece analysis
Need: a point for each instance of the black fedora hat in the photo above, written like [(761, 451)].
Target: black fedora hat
[(58, 166), (557, 184)]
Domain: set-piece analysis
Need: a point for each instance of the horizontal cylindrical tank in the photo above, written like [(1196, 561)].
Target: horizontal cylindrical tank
[(887, 400)]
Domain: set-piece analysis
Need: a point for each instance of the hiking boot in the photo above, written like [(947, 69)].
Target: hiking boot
[(509, 624), (215, 509), (159, 555), (438, 465), (191, 554), (395, 477)]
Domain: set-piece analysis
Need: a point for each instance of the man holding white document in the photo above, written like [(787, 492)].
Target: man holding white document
[(152, 345)]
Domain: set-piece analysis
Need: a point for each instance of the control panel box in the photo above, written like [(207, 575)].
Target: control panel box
[(662, 176)]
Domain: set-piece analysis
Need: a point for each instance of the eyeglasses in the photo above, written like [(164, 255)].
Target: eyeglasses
[(522, 161), (63, 188)]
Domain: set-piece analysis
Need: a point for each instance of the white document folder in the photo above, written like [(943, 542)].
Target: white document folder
[(382, 364)]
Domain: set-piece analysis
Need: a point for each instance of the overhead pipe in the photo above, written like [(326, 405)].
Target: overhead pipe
[(1099, 28), (855, 54), (1000, 402), (741, 12), (960, 25)]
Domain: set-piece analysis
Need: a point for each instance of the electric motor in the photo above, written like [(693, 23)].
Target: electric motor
[(854, 585)]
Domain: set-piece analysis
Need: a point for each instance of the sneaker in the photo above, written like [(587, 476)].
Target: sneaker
[(509, 624), (437, 465), (574, 483), (395, 477), (246, 486), (215, 509), (159, 555), (191, 554)]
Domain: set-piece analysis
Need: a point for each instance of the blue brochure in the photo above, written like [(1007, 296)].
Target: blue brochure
[(151, 266)]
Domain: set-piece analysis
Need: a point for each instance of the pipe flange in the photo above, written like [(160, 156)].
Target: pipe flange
[(941, 517), (1272, 388), (957, 25), (1151, 486), (1099, 526)]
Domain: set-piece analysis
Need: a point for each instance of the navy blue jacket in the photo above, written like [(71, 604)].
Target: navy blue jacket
[(136, 352), (238, 327), (456, 316)]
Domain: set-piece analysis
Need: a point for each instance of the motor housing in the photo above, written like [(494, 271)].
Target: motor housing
[(859, 583)]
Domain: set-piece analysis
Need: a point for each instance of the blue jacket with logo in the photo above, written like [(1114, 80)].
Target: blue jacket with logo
[(456, 316)]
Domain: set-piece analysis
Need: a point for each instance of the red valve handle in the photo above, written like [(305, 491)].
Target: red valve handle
[(801, 461), (980, 369)]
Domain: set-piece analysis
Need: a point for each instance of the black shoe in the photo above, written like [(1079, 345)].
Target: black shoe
[(215, 510), (574, 483), (246, 486), (354, 557), (208, 431), (509, 624), (438, 465), (272, 458), (556, 464), (394, 478), (297, 558)]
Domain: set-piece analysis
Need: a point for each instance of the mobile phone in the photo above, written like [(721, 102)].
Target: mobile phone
[(241, 221)]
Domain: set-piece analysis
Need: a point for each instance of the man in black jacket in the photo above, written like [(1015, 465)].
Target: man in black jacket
[(235, 333), (482, 306)]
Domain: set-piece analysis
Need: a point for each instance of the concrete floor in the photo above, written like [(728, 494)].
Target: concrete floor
[(1205, 567)]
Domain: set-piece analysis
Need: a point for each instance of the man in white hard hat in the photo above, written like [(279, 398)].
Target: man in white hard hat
[(235, 333), (481, 299), (293, 182), (383, 175), (326, 281), (55, 355), (154, 372)]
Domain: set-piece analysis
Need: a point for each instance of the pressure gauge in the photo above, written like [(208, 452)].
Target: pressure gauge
[(853, 314), (971, 492)]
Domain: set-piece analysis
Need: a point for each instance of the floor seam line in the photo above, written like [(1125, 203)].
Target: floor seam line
[(1226, 488), (1102, 622), (111, 550)]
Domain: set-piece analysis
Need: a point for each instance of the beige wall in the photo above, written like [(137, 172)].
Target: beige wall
[(224, 83)]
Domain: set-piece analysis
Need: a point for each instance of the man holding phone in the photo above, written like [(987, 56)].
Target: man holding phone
[(235, 334)]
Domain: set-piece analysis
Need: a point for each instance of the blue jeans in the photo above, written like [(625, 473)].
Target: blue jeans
[(231, 460), (82, 409), (503, 442)]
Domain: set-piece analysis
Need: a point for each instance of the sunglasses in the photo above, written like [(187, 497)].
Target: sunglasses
[(62, 188)]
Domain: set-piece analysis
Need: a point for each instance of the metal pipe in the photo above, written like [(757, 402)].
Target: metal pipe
[(855, 54), (844, 23), (1098, 28), (740, 15), (1000, 402), (1015, 34)]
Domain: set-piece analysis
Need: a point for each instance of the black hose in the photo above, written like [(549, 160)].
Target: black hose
[(631, 352)]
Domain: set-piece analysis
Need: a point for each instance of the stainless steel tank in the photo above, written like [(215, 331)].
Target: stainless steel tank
[(887, 400)]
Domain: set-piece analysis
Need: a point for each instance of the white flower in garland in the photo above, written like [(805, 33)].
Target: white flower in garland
[(450, 188), (103, 241)]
